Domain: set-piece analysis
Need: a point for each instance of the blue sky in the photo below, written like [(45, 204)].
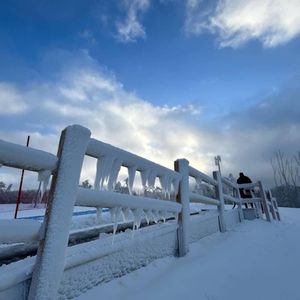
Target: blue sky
[(225, 71)]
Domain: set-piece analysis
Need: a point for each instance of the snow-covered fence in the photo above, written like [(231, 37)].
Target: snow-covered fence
[(54, 232), (217, 185), (235, 196), (53, 235), (20, 157), (110, 159)]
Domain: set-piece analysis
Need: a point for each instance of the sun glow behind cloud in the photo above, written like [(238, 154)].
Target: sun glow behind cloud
[(85, 93)]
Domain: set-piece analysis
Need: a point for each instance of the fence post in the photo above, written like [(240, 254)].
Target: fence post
[(264, 201), (240, 208), (272, 207), (182, 166), (221, 207), (50, 261)]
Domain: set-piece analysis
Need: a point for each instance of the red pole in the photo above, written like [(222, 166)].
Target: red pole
[(21, 183)]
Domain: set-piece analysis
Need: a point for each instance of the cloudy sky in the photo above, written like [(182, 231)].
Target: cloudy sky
[(164, 79)]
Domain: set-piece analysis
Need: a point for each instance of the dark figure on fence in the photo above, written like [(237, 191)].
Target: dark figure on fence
[(245, 193)]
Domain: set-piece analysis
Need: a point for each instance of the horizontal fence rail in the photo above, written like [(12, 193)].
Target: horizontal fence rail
[(232, 199), (18, 231), (198, 174), (229, 183), (93, 198), (197, 198), (247, 185), (17, 156)]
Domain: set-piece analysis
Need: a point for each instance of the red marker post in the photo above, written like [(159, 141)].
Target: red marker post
[(21, 183)]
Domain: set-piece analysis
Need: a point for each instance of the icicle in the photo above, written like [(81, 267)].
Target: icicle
[(148, 216), (125, 213), (163, 215), (176, 186), (99, 215), (104, 165), (151, 178), (98, 174), (137, 217), (131, 176), (115, 169), (115, 213), (163, 182), (175, 215), (155, 216), (169, 187), (199, 185), (44, 177), (144, 176)]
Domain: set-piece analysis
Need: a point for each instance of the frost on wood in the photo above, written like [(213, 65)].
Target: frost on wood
[(51, 255)]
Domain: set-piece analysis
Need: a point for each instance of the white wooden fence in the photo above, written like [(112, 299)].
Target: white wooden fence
[(75, 143)]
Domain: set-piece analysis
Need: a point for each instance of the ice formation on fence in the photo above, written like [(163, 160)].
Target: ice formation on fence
[(109, 164), (99, 215), (125, 213), (131, 176), (115, 213), (43, 178)]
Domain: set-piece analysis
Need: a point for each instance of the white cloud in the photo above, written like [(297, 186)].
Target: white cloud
[(11, 101), (131, 28), (97, 100), (272, 22)]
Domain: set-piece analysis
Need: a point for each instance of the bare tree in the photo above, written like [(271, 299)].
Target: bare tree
[(286, 171)]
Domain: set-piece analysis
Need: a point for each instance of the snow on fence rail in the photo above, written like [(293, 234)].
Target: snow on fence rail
[(17, 156), (75, 143)]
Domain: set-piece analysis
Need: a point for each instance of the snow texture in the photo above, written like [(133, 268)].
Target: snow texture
[(100, 261), (256, 260)]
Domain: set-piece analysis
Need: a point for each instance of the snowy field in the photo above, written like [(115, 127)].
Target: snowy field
[(257, 260)]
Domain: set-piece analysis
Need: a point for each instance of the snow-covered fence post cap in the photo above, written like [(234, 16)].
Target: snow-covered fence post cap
[(50, 261)]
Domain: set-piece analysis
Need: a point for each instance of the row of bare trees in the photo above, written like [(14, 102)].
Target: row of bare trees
[(286, 171)]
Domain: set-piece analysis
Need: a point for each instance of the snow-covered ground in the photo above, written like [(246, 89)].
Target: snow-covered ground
[(256, 260)]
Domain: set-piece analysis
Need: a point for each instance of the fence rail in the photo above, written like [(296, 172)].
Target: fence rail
[(75, 143), (197, 198), (93, 198), (20, 157)]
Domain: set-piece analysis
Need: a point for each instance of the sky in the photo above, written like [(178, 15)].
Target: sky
[(164, 79)]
